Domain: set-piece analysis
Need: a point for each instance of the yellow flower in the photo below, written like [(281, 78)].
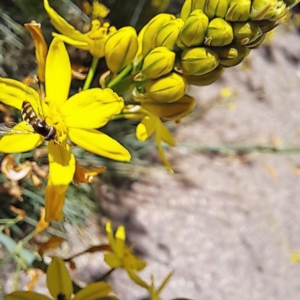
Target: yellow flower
[(152, 124), (60, 287), (121, 256), (92, 41), (74, 119)]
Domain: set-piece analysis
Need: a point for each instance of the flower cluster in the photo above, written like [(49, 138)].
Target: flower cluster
[(156, 66)]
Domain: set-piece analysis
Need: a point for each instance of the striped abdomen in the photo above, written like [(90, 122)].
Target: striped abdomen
[(38, 125)]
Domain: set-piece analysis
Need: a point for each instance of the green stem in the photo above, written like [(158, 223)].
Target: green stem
[(91, 73), (17, 274), (123, 115), (242, 149), (120, 76)]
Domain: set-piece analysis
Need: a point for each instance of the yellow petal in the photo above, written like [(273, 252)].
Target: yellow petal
[(137, 279), (146, 128), (110, 235), (120, 241), (62, 25), (112, 260), (99, 143), (13, 93), (58, 279), (91, 108), (26, 296), (61, 163), (93, 291), (162, 155), (58, 73), (20, 142), (166, 135), (41, 48), (78, 44), (54, 201)]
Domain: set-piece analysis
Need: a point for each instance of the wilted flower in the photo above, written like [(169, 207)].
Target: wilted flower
[(92, 41)]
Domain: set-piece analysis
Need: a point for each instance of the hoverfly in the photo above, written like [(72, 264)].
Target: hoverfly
[(33, 116)]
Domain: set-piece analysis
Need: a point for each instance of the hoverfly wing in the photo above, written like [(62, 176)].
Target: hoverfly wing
[(8, 129), (34, 95)]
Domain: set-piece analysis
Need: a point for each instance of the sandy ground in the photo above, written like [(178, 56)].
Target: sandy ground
[(225, 224)]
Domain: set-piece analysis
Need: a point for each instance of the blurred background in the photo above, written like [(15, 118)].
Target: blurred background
[(226, 222)]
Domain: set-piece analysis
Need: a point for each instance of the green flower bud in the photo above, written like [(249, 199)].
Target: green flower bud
[(198, 61), (168, 34), (271, 10), (221, 8), (186, 9), (171, 111), (159, 62), (219, 33), (167, 89), (231, 55), (120, 48), (255, 44), (238, 10), (205, 79), (266, 25), (246, 32), (194, 29), (151, 30)]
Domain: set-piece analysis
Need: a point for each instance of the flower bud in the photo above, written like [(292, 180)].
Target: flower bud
[(266, 26), (168, 34), (232, 55), (167, 89), (151, 30), (205, 79), (120, 48), (194, 29), (186, 9), (198, 61), (221, 8), (255, 44), (246, 32), (238, 10), (271, 10), (171, 111), (159, 62), (219, 33)]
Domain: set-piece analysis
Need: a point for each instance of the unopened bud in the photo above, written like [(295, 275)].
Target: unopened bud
[(151, 30), (194, 29), (198, 61), (246, 32), (238, 10), (167, 89), (267, 10), (159, 62), (120, 48), (219, 33), (168, 34)]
